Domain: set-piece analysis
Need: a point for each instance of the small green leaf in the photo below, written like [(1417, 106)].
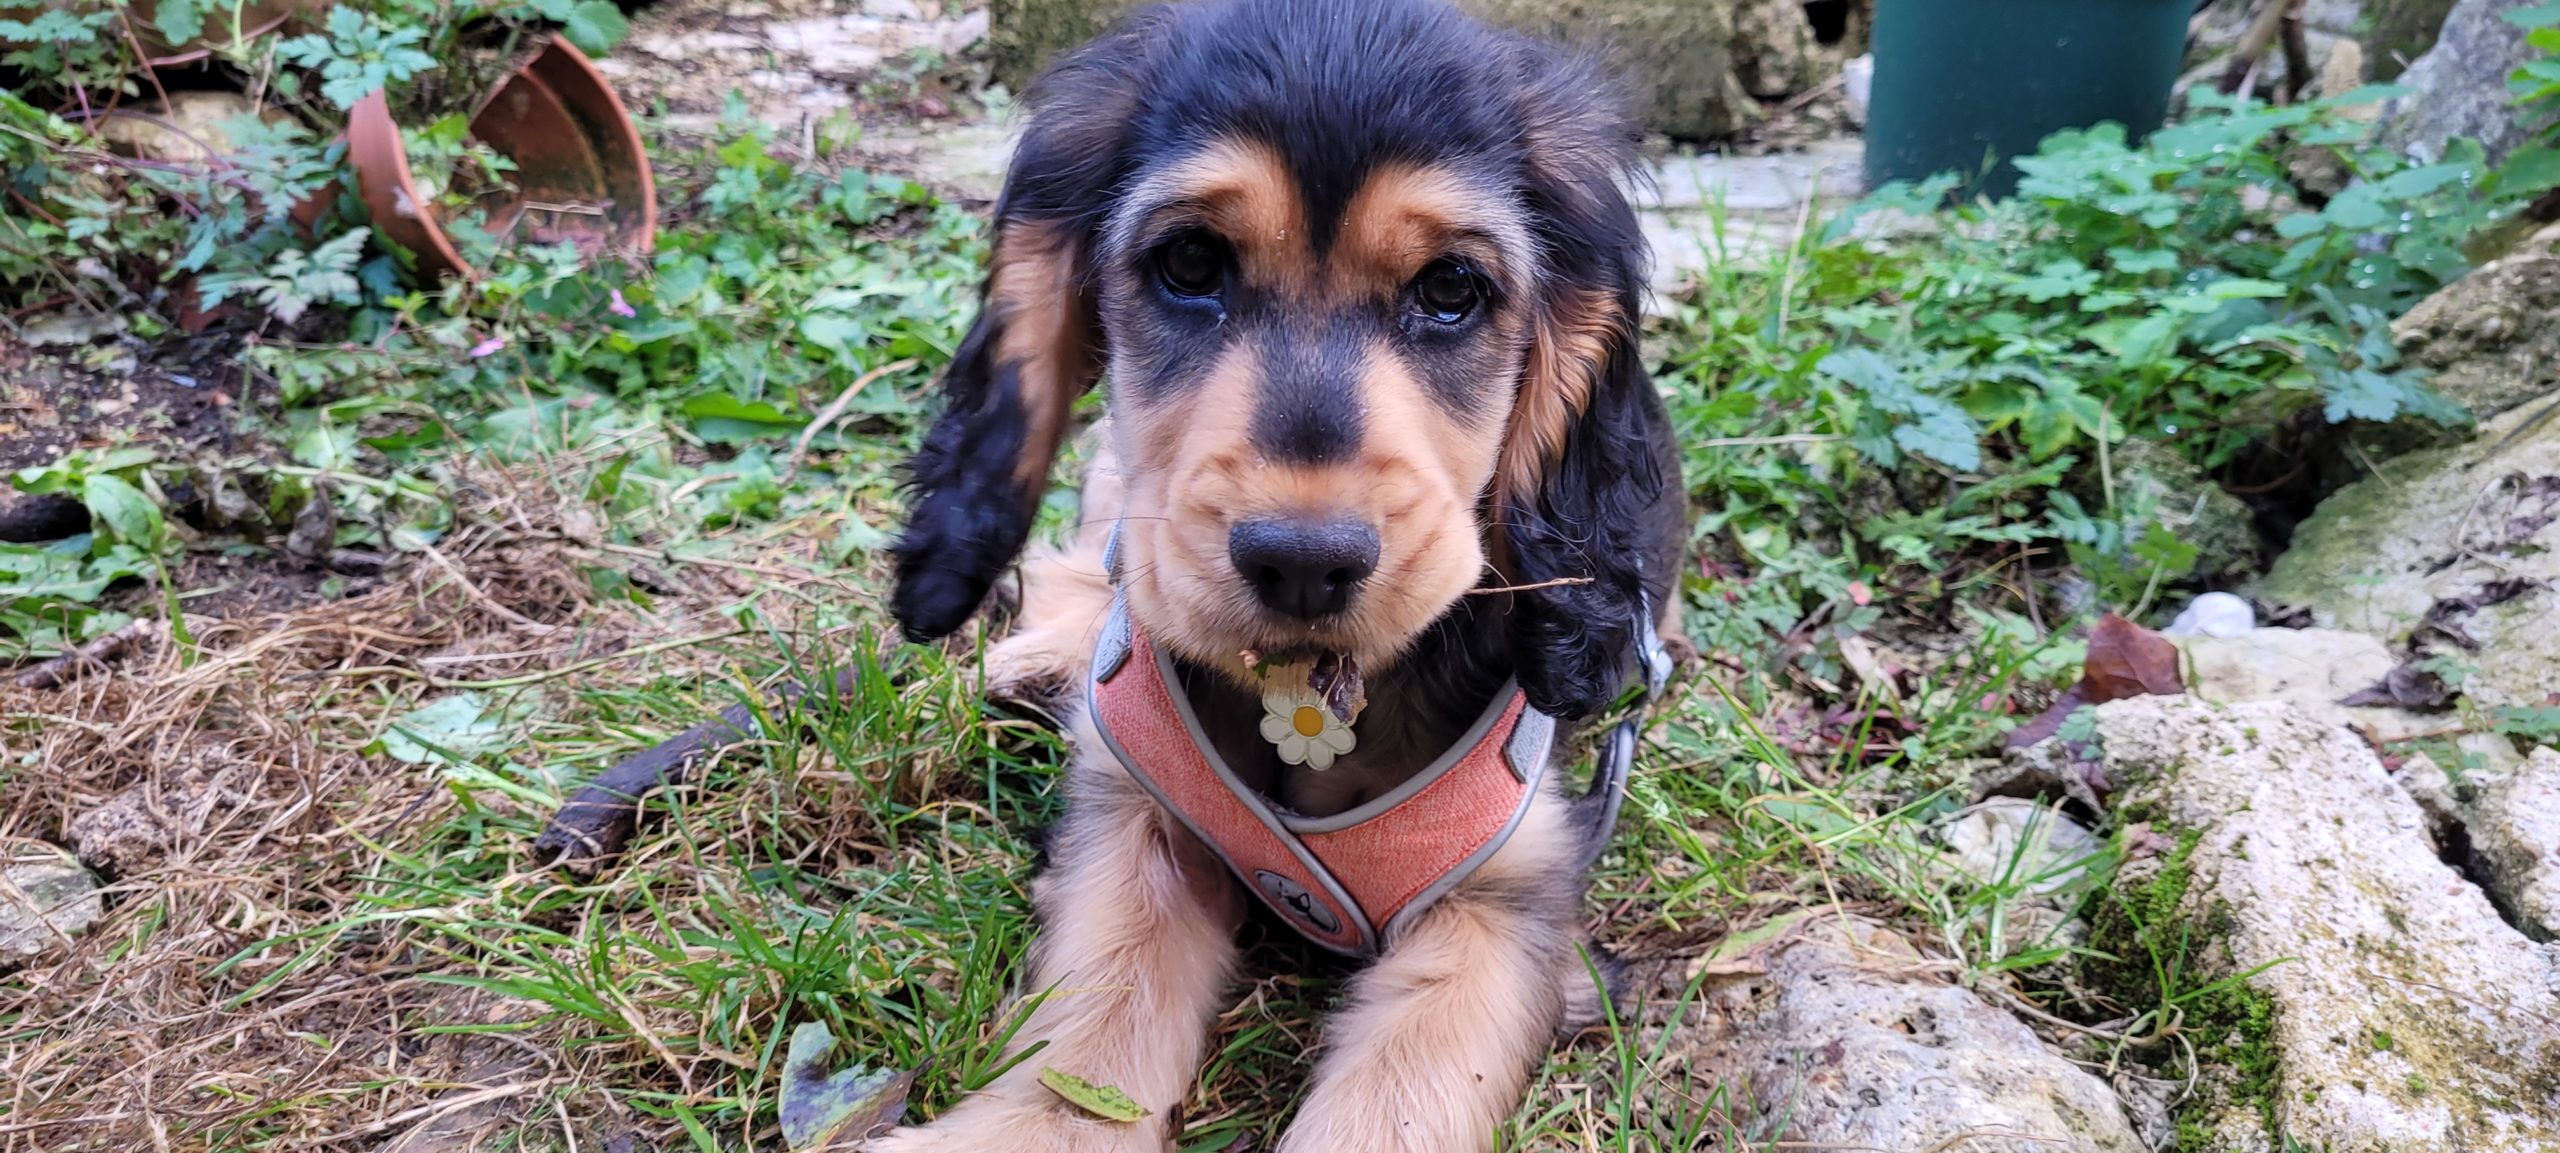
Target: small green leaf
[(179, 20), (1104, 1101), (595, 27), (2530, 170), (2300, 224), (2537, 16), (446, 731), (725, 419), (126, 514)]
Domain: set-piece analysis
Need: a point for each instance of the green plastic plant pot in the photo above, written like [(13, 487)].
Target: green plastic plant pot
[(1963, 85)]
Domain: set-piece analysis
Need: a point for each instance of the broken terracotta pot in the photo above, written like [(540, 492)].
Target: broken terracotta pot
[(580, 176)]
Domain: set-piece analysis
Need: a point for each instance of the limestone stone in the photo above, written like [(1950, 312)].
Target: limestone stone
[(1838, 1033), (46, 899), (2312, 669), (2402, 32), (2012, 840), (2470, 533), (2402, 1012), (2488, 340), (2513, 818)]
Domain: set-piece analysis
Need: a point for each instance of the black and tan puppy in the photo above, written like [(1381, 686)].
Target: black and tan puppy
[(1365, 286)]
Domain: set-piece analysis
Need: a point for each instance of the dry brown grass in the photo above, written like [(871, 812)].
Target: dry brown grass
[(226, 787)]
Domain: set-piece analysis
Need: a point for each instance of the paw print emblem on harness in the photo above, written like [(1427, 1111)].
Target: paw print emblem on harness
[(1294, 899)]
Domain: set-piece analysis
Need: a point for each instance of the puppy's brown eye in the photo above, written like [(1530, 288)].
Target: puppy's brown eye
[(1447, 291), (1192, 264)]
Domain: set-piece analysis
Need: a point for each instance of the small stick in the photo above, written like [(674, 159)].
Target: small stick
[(66, 667), (1559, 582), (2253, 44), (595, 823), (2298, 76), (828, 415)]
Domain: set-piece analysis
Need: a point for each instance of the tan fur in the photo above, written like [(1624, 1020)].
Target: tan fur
[(1415, 479), (1568, 349), (1066, 595), (1405, 217), (1238, 189), (1047, 335), (1441, 1034), (1135, 951), (1193, 473)]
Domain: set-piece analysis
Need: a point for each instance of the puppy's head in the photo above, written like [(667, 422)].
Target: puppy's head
[(1361, 275)]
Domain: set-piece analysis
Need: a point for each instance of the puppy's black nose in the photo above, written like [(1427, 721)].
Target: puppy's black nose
[(1305, 568)]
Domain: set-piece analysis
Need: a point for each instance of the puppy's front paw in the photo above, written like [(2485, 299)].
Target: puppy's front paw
[(997, 1124), (1040, 667)]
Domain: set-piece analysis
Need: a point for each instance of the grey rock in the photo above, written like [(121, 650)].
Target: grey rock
[(2459, 88), (2014, 841), (2487, 340), (2403, 1012), (2402, 31), (2513, 818), (2443, 527), (2312, 669), (1846, 1036), (70, 328), (46, 899), (1838, 1033), (165, 816)]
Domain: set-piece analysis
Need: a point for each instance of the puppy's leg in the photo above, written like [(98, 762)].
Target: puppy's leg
[(1440, 1035), (1065, 597), (1137, 942)]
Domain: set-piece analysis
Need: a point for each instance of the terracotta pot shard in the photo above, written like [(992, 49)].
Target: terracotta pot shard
[(581, 175)]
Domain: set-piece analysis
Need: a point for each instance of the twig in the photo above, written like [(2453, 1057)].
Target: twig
[(486, 601), (62, 669), (1559, 582), (827, 416), (2253, 45), (1812, 94), (667, 557), (1763, 441), (2298, 77), (596, 821)]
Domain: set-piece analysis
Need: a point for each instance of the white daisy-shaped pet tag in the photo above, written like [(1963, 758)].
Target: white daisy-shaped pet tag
[(1296, 721)]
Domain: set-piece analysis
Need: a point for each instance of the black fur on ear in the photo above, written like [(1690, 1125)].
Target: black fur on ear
[(1589, 493), (976, 484), (1609, 518)]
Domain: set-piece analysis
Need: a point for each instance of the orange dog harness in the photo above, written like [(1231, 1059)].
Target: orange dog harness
[(1348, 882), (1353, 881)]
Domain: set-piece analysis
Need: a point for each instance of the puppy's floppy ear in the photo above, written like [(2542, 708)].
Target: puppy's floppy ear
[(1587, 489), (977, 482)]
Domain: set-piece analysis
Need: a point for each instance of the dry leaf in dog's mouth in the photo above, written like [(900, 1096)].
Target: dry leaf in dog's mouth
[(1336, 679)]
